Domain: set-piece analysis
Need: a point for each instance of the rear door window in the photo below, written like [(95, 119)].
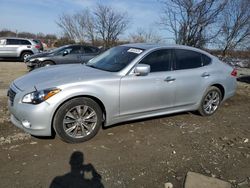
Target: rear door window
[(205, 60), (76, 50), (187, 59), (89, 50), (25, 42), (159, 60)]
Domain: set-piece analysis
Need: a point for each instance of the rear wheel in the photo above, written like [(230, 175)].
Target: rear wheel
[(24, 55), (78, 120), (210, 101)]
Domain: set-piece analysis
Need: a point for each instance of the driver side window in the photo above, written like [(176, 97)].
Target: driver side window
[(159, 60), (65, 49)]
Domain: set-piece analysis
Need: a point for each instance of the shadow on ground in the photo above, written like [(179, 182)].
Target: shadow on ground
[(76, 177), (245, 79), (10, 60)]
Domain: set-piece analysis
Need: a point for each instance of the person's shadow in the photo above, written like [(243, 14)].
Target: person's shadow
[(76, 178)]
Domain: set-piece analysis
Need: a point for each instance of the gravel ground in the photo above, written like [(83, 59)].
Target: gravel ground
[(144, 153)]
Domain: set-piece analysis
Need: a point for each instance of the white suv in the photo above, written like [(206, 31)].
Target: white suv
[(17, 48)]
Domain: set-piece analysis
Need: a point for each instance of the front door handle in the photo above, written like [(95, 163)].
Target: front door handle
[(169, 79), (205, 74)]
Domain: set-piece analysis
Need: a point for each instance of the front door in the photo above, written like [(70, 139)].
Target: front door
[(72, 56), (11, 47), (154, 91), (2, 47)]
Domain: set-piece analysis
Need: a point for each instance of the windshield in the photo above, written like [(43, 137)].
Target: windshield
[(57, 49), (115, 59)]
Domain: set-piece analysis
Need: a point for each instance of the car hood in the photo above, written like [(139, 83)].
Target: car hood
[(57, 75), (43, 54)]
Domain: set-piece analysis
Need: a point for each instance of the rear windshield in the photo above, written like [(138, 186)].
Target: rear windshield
[(37, 41), (115, 59)]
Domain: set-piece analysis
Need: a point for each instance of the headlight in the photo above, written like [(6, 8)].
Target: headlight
[(37, 97), (35, 60), (32, 60)]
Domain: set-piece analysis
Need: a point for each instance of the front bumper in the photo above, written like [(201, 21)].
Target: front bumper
[(32, 64), (34, 119)]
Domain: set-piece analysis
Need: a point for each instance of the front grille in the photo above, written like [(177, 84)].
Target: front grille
[(11, 94)]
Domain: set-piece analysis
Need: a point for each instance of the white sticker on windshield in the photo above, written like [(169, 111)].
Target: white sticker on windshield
[(134, 50)]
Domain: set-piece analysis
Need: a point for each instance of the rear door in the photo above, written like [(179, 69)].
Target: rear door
[(25, 44), (152, 92), (191, 77)]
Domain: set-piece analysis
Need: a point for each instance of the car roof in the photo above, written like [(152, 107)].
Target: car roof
[(15, 38), (68, 45), (148, 46)]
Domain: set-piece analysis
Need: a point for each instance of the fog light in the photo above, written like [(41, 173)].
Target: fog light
[(26, 124)]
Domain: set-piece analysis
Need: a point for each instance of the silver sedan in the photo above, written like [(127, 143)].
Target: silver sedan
[(127, 82)]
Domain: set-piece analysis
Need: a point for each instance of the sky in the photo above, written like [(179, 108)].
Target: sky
[(40, 15)]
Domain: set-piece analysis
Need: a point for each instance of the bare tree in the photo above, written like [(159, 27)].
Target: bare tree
[(66, 23), (104, 23), (109, 24), (77, 26), (90, 27), (142, 35), (189, 20), (26, 35), (236, 25), (7, 33)]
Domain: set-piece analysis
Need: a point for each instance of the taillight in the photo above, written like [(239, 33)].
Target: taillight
[(37, 46), (234, 72)]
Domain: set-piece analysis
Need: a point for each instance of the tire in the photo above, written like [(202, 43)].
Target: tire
[(210, 101), (46, 63), (24, 55), (78, 120)]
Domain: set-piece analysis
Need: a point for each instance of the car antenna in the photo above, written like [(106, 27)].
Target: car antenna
[(35, 88)]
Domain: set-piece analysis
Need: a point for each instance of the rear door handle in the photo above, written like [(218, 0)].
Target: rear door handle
[(169, 79), (205, 74)]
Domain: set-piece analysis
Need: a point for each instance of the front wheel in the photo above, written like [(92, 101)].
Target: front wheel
[(25, 55), (78, 120), (210, 101), (46, 63)]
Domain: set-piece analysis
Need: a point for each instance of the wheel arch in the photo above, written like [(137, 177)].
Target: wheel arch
[(30, 51), (40, 64), (98, 101), (49, 60), (221, 88)]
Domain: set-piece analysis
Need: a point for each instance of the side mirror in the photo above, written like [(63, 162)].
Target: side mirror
[(142, 70), (65, 53)]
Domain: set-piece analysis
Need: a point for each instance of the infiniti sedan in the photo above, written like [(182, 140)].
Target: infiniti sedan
[(67, 54), (127, 82)]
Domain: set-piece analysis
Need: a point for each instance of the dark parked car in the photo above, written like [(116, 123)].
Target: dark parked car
[(64, 55)]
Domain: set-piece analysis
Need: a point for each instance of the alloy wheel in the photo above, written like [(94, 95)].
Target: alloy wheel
[(211, 102), (26, 56), (79, 121)]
